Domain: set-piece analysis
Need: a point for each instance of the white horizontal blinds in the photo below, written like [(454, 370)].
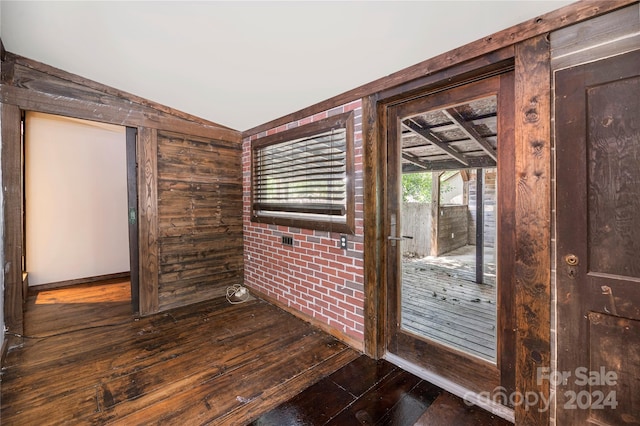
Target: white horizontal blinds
[(306, 175)]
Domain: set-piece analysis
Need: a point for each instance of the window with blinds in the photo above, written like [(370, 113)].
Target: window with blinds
[(303, 177)]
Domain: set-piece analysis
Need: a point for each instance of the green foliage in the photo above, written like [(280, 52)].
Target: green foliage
[(416, 187)]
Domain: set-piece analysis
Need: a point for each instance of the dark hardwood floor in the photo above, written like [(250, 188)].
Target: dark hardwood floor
[(368, 392), (209, 363), (85, 359), (362, 392)]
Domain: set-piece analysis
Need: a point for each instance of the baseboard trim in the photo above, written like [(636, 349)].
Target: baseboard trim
[(353, 343), (88, 280)]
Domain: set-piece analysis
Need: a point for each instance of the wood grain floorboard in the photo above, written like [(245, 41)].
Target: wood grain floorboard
[(362, 392), (449, 410), (368, 392), (92, 362), (86, 360)]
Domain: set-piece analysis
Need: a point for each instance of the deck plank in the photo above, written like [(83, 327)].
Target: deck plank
[(440, 302)]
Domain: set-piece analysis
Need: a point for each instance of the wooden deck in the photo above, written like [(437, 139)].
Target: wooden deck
[(85, 360), (441, 302)]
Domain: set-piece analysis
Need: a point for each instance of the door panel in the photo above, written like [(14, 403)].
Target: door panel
[(598, 230), (474, 137)]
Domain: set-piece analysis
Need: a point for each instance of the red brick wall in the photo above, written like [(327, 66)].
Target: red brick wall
[(314, 277)]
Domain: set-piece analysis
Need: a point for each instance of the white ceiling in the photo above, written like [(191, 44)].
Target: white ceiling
[(244, 63)]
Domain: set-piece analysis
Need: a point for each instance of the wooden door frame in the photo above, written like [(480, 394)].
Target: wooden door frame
[(472, 373), (530, 259), (374, 131), (13, 194), (11, 138), (132, 201)]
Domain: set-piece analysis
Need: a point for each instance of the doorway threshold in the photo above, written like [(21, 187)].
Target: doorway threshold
[(452, 387)]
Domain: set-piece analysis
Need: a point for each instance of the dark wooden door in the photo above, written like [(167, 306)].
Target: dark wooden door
[(598, 237), (451, 363)]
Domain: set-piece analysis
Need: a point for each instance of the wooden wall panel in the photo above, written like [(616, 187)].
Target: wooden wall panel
[(148, 219), (199, 218), (31, 85), (532, 223), (12, 218)]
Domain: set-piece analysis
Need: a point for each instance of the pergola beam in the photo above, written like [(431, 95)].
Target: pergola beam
[(443, 165), (415, 160), (429, 137), (468, 129)]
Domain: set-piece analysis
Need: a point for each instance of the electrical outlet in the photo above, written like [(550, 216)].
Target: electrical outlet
[(343, 242)]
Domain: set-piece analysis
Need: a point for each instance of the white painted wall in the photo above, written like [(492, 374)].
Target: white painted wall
[(76, 199)]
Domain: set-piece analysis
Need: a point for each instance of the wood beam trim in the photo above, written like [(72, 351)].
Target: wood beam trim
[(116, 112), (560, 18), (505, 222), (148, 220), (374, 321), (468, 129), (63, 75), (429, 137), (532, 224), (11, 155)]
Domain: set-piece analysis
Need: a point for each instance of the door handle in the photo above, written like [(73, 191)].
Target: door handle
[(404, 237)]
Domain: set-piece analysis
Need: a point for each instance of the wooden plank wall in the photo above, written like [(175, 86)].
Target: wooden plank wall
[(148, 218), (190, 235), (199, 218), (453, 226)]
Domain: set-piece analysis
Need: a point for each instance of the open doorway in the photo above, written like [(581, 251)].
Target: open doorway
[(448, 257), (77, 192), (450, 304)]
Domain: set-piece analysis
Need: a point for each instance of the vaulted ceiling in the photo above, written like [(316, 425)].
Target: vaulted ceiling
[(244, 63)]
